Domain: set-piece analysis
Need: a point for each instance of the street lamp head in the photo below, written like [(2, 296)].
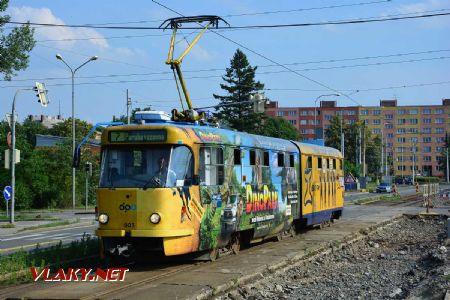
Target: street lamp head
[(58, 56), (95, 57)]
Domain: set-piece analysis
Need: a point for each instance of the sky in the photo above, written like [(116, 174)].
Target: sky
[(407, 60)]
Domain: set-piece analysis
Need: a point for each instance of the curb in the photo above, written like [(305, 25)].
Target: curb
[(50, 228), (288, 263)]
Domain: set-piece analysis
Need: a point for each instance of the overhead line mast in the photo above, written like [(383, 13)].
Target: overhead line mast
[(174, 23)]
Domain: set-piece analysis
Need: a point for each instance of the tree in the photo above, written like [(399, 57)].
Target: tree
[(443, 157), (279, 128), (64, 129), (15, 46), (351, 145), (240, 84)]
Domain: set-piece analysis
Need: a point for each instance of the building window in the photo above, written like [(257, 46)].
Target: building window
[(366, 122), (304, 113), (426, 139), (426, 121), (439, 111), (439, 121), (292, 113), (401, 139), (293, 122), (350, 122), (413, 121), (413, 130), (339, 113), (350, 112), (376, 122), (426, 111), (388, 126), (414, 140), (280, 113), (427, 158), (376, 131), (389, 116), (328, 117), (401, 121), (439, 130), (402, 112), (401, 130), (390, 135), (364, 112), (440, 139), (303, 122), (427, 149), (376, 112), (439, 149), (413, 111), (426, 130)]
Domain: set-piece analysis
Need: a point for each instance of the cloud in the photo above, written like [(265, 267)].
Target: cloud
[(45, 15), (423, 6), (198, 53)]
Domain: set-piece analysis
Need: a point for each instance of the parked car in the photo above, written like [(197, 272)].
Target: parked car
[(403, 180), (384, 187)]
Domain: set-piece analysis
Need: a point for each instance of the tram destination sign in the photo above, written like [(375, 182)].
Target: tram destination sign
[(137, 136)]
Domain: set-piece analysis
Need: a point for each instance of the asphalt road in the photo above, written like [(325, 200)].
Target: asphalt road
[(29, 240), (403, 191)]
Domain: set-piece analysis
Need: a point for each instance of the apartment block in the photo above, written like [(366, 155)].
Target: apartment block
[(412, 135)]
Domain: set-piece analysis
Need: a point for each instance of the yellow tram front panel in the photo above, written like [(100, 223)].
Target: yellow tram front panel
[(129, 212)]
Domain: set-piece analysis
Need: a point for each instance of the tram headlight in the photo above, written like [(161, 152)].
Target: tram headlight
[(103, 218), (155, 218)]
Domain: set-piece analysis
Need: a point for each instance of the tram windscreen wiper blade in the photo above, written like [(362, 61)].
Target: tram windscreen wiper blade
[(155, 181)]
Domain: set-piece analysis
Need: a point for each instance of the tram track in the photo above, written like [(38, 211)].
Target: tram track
[(192, 279)]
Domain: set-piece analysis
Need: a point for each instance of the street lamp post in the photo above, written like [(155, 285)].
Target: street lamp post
[(42, 94), (315, 111), (73, 71)]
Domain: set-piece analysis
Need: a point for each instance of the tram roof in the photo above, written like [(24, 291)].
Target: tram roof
[(213, 135)]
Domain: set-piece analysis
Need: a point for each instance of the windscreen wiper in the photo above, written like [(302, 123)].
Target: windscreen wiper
[(155, 181)]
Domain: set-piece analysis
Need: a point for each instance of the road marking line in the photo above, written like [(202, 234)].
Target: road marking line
[(33, 245), (21, 237), (47, 236), (85, 226)]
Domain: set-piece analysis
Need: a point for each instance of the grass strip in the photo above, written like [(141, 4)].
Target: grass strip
[(52, 224), (15, 267)]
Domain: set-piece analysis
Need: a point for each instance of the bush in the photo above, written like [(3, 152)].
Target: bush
[(427, 179)]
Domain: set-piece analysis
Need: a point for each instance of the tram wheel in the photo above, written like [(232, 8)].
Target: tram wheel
[(279, 237), (213, 254), (236, 244)]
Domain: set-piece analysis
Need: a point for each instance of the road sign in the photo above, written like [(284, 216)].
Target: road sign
[(7, 192)]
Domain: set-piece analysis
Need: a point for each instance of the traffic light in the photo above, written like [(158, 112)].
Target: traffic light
[(88, 167), (41, 93)]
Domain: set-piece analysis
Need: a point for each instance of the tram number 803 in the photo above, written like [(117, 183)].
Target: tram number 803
[(128, 225)]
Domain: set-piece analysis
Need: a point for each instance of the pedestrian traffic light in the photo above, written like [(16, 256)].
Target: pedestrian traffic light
[(41, 93)]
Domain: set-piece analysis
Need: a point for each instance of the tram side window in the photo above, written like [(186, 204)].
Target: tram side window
[(291, 160), (266, 161), (309, 162), (340, 164), (319, 162), (281, 159), (252, 157), (237, 157), (211, 166), (334, 163), (331, 164)]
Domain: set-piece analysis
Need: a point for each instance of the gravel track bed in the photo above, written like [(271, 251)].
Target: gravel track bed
[(406, 259)]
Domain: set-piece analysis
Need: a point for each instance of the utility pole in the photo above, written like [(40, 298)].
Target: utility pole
[(342, 136), (128, 108), (382, 153), (360, 146), (364, 153)]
